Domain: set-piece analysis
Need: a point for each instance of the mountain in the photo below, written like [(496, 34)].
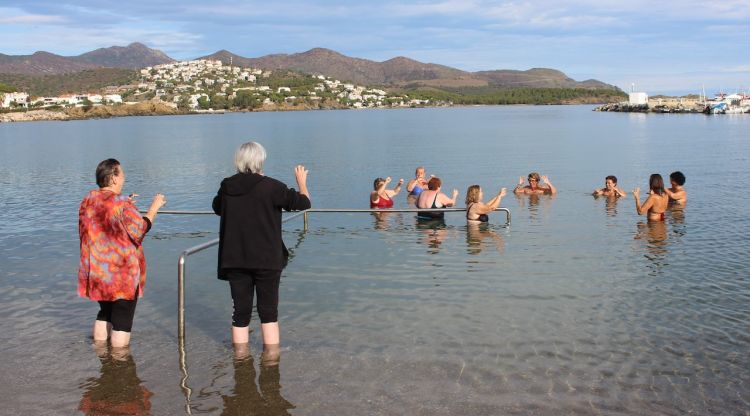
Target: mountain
[(41, 63), (133, 56), (401, 71)]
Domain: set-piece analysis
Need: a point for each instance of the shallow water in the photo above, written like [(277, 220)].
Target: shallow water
[(579, 307)]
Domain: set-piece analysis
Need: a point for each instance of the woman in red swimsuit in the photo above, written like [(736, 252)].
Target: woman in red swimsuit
[(382, 197)]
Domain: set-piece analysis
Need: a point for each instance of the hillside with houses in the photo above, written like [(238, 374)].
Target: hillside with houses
[(209, 85)]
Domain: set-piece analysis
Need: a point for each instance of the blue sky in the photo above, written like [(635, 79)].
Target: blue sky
[(661, 46)]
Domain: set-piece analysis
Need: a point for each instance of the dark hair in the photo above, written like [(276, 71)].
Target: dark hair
[(434, 183), (105, 171), (656, 183), (677, 177), (612, 178), (377, 183)]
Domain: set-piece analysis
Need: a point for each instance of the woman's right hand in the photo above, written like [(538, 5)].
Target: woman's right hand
[(520, 181), (300, 173), (637, 192), (159, 201)]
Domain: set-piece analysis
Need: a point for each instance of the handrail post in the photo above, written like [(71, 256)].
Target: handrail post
[(181, 297), (304, 216)]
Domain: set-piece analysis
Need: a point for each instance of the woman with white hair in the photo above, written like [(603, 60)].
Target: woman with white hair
[(251, 250)]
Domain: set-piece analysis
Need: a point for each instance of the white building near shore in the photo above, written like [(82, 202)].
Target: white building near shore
[(20, 99)]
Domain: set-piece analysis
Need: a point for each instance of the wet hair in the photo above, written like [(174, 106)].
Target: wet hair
[(677, 177), (534, 175), (378, 181), (105, 171), (434, 183), (656, 183), (612, 178), (418, 169), (472, 194), (249, 158)]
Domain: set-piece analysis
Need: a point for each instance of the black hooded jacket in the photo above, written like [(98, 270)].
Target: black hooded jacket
[(250, 230)]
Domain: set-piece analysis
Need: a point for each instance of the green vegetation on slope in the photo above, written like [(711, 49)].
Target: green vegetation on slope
[(6, 88), (83, 81), (495, 95)]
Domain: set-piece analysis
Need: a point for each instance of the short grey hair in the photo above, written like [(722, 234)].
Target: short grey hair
[(249, 158)]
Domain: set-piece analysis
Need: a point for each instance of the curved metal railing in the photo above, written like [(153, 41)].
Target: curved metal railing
[(187, 391)]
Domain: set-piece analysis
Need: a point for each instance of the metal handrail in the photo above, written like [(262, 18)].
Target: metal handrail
[(208, 244)]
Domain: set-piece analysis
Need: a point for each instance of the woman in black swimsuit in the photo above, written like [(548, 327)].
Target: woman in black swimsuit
[(476, 210), (433, 198)]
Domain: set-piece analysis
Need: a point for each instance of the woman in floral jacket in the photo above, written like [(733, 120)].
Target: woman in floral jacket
[(113, 268)]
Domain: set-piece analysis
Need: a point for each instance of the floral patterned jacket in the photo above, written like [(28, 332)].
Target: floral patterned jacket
[(112, 263)]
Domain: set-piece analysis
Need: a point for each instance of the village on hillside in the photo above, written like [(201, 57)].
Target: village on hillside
[(209, 85)]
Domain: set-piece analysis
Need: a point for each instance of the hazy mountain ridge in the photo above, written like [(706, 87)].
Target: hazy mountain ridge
[(401, 71), (134, 56), (396, 72)]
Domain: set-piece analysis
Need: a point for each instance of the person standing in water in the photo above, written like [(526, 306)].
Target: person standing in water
[(677, 193)]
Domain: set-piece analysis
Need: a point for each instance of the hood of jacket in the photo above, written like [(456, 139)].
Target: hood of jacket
[(240, 183)]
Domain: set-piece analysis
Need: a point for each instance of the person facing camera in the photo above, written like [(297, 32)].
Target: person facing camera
[(534, 187), (677, 193), (251, 251), (610, 188)]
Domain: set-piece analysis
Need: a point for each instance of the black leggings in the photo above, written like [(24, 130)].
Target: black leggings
[(265, 283), (119, 313)]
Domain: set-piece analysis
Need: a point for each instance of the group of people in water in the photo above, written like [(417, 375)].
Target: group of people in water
[(426, 194), (252, 254)]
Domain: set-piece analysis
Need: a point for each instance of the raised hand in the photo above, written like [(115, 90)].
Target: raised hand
[(520, 181)]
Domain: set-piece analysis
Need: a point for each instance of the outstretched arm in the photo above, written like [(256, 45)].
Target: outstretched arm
[(550, 188), (395, 190), (495, 202)]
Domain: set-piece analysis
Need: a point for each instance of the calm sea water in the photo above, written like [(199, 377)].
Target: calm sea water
[(579, 307)]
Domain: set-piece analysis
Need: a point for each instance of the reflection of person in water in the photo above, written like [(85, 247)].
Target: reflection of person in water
[(118, 389), (654, 234), (433, 234), (247, 399), (477, 232)]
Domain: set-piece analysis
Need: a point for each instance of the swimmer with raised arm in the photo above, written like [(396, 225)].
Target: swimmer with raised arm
[(476, 210), (533, 188), (382, 197), (677, 193), (433, 198), (610, 188), (657, 200), (418, 183)]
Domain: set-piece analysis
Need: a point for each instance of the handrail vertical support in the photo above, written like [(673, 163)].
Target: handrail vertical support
[(305, 220)]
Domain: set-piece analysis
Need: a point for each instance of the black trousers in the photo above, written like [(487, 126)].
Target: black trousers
[(265, 284), (119, 313)]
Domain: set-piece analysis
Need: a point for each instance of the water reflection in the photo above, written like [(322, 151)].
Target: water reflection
[(477, 233), (117, 390), (433, 233), (535, 203), (263, 398), (610, 204), (653, 235), (383, 220)]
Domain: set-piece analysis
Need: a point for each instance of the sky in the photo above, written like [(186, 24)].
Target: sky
[(663, 47)]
